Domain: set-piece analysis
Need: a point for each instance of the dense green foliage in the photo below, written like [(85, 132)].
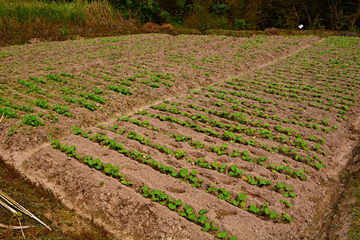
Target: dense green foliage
[(242, 14), (74, 12), (198, 14)]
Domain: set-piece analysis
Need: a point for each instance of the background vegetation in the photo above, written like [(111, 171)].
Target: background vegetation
[(20, 13), (246, 14), (197, 14)]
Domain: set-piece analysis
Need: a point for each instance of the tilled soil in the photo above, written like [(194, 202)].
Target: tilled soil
[(288, 127), (152, 67)]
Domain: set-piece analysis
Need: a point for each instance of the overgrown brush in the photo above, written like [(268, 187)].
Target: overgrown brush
[(34, 13)]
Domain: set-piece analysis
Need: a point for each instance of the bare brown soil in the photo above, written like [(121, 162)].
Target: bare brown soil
[(103, 62), (192, 62)]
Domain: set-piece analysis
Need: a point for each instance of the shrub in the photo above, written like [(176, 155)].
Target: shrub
[(240, 24)]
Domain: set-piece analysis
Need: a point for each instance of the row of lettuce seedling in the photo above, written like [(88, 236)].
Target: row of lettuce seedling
[(233, 170), (59, 109), (108, 169), (155, 195), (182, 175), (311, 161), (246, 94), (294, 88), (281, 91), (241, 118), (222, 95), (281, 169), (258, 112)]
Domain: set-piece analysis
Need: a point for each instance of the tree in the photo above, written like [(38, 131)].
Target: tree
[(355, 14), (334, 12), (313, 10)]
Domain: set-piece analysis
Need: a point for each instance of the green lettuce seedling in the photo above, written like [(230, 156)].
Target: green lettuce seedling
[(273, 215), (32, 120), (174, 204), (286, 217), (252, 181), (188, 210), (211, 189), (56, 143), (234, 171), (145, 190), (225, 195), (41, 104), (222, 235), (222, 167), (180, 154), (242, 197), (193, 218), (210, 227), (215, 165), (12, 130), (183, 173), (202, 219), (254, 209)]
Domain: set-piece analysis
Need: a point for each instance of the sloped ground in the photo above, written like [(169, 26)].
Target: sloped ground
[(65, 224), (272, 140), (83, 82)]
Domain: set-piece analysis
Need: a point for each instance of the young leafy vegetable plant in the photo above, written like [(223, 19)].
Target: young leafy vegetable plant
[(12, 130), (32, 120), (41, 104)]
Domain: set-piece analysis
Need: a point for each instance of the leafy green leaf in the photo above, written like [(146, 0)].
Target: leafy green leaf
[(202, 219), (183, 172), (192, 217), (203, 211), (222, 235), (178, 202), (207, 227), (183, 214), (286, 217), (273, 215), (254, 209), (242, 197)]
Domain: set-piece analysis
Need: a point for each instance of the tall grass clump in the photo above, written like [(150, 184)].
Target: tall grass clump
[(19, 13)]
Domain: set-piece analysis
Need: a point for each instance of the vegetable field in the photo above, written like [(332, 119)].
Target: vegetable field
[(186, 137)]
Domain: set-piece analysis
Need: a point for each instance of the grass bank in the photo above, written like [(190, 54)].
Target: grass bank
[(32, 13), (23, 20), (65, 223)]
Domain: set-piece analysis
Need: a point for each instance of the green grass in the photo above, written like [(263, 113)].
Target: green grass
[(14, 13)]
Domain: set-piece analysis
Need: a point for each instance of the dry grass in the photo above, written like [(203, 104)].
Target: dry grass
[(23, 20), (29, 13)]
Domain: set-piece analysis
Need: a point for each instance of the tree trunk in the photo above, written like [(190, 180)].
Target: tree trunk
[(356, 15), (333, 4), (317, 17), (308, 15), (296, 14)]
